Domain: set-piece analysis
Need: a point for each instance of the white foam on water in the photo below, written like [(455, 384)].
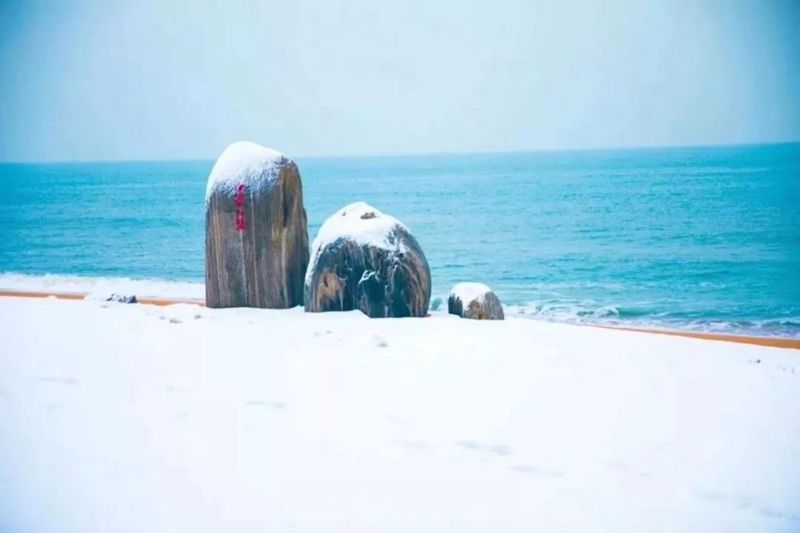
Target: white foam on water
[(103, 287), (615, 315)]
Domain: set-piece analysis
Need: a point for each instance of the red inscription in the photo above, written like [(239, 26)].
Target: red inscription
[(239, 200)]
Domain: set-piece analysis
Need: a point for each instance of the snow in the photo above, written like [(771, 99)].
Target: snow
[(359, 222), (245, 163), (132, 418), (468, 291)]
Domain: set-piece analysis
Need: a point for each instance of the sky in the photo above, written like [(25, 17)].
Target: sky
[(170, 79)]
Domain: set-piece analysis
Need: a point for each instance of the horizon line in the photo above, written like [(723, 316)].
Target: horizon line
[(421, 154)]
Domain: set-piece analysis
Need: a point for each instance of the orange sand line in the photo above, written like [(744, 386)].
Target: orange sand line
[(81, 296), (775, 342)]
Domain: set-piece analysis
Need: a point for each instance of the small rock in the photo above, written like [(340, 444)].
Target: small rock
[(475, 301), (121, 298)]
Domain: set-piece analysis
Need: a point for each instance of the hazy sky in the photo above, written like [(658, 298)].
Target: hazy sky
[(171, 79)]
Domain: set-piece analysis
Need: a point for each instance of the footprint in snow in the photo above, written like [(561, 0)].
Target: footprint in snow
[(618, 465), (770, 512), (380, 342), (747, 503), (500, 450), (394, 420), (538, 471), (473, 445), (59, 380), (263, 403), (413, 444)]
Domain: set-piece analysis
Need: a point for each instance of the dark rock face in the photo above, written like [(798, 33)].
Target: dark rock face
[(366, 260), (122, 298), (256, 230), (474, 301)]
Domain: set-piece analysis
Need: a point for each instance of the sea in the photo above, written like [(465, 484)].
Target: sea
[(699, 238)]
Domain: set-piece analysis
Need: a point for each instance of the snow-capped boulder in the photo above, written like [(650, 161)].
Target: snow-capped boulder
[(364, 259), (475, 301), (256, 230)]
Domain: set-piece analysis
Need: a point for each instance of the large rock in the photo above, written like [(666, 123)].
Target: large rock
[(364, 259), (256, 230), (475, 301)]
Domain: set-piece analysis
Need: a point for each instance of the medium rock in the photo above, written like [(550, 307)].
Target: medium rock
[(475, 301), (364, 259), (256, 230)]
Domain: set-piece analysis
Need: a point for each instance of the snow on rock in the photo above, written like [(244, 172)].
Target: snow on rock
[(476, 301), (365, 259), (469, 291), (247, 163), (360, 223)]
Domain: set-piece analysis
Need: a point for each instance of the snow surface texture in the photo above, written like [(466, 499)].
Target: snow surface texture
[(467, 292), (245, 163), (131, 418), (359, 222)]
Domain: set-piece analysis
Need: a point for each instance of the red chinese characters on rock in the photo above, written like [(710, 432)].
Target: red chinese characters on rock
[(239, 200)]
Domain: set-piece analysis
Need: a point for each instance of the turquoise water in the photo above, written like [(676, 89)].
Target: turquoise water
[(693, 238)]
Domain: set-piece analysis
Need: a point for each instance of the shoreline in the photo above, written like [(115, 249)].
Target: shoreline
[(773, 342)]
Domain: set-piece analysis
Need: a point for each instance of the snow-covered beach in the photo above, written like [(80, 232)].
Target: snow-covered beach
[(121, 417)]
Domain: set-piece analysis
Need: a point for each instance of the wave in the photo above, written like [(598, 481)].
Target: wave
[(102, 287), (574, 312), (591, 314)]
